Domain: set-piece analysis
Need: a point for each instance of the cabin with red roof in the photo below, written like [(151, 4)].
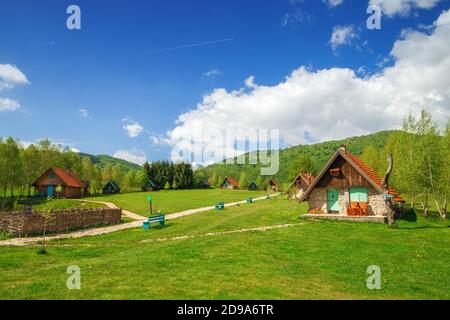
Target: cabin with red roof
[(230, 183), (71, 185), (348, 187), (300, 185)]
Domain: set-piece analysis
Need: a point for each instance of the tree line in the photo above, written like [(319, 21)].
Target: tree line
[(421, 152), (20, 166), (168, 175)]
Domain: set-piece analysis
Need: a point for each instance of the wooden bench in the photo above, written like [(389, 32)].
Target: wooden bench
[(358, 209), (161, 219), (220, 206)]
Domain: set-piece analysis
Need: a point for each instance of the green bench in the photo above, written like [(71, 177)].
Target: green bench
[(161, 219), (220, 206)]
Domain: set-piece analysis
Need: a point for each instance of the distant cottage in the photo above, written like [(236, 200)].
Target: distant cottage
[(71, 185), (273, 186), (111, 187), (349, 187), (300, 185), (230, 183), (253, 186)]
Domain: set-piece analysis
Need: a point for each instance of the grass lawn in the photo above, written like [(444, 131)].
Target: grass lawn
[(65, 204), (175, 201), (311, 260)]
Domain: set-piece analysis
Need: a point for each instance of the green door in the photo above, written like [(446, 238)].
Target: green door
[(333, 200)]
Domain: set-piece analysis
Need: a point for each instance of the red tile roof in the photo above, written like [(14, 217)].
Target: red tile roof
[(69, 178), (372, 175), (308, 178), (233, 182)]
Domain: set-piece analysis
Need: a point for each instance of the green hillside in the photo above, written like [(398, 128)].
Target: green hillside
[(103, 160), (320, 154)]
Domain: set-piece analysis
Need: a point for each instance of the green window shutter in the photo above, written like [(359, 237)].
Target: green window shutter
[(359, 195)]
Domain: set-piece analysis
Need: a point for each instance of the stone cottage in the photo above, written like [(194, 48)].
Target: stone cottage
[(347, 186)]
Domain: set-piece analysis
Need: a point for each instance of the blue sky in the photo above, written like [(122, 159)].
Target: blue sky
[(142, 64)]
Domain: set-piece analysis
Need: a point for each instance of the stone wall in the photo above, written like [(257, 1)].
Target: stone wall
[(23, 224), (317, 199)]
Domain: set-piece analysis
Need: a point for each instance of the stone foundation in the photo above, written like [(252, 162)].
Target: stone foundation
[(374, 219), (317, 199), (23, 224)]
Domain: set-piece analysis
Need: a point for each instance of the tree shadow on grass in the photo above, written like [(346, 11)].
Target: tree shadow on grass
[(410, 220)]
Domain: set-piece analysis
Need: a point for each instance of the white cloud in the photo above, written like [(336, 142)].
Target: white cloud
[(212, 73), (8, 105), (134, 156), (84, 113), (333, 3), (402, 7), (132, 128), (342, 35), (10, 76), (293, 18), (311, 106)]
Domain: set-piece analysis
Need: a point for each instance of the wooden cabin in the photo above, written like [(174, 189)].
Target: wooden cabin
[(111, 187), (300, 185), (204, 185), (273, 186), (230, 183), (347, 186), (253, 186), (71, 185)]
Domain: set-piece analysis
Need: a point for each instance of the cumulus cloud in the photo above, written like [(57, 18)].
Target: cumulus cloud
[(132, 128), (10, 76), (402, 7), (342, 35), (333, 3), (134, 156), (312, 106), (8, 105)]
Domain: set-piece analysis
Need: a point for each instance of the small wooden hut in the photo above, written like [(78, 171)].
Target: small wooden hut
[(71, 185), (230, 183), (349, 187), (111, 187)]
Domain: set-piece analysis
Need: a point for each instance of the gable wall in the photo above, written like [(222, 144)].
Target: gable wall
[(45, 180), (349, 177)]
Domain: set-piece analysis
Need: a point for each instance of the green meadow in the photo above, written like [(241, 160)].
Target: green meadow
[(195, 258), (174, 201)]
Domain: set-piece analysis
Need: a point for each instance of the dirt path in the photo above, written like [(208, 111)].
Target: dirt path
[(111, 205), (222, 233), (104, 230)]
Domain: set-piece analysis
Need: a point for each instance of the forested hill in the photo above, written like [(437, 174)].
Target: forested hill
[(320, 153), (103, 160)]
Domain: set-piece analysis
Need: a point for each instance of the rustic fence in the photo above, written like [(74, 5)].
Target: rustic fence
[(32, 223)]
